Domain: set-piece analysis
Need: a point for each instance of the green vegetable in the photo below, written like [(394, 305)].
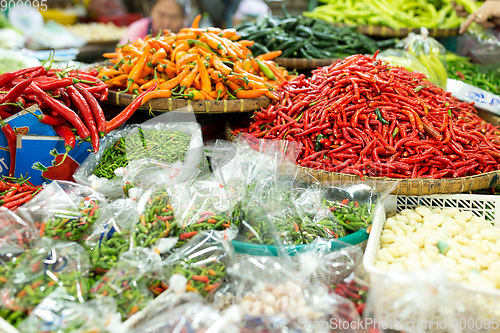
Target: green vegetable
[(165, 146), (474, 74), (443, 247), (300, 37)]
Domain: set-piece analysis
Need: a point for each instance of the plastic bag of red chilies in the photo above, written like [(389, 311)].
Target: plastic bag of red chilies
[(361, 116)]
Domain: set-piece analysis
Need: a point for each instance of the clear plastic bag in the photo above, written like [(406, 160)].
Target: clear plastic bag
[(112, 235), (96, 171), (271, 297), (481, 45), (65, 210), (431, 54), (195, 316), (16, 233), (61, 312), (200, 265), (127, 282), (167, 149), (406, 60), (204, 205), (50, 264)]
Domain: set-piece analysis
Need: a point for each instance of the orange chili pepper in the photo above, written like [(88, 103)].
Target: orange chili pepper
[(207, 96), (245, 42), (160, 68), (170, 72), (275, 71), (156, 94), (220, 89), (197, 82), (220, 66), (272, 95), (214, 74), (132, 49), (188, 80), (232, 85), (134, 309), (270, 55), (255, 93), (136, 71), (160, 54), (185, 59), (206, 85), (172, 83), (215, 44), (183, 45), (109, 55), (158, 44), (150, 83)]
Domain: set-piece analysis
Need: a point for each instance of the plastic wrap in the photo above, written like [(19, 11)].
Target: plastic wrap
[(65, 210), (275, 299), (407, 60), (42, 269), (204, 205), (16, 234), (167, 149), (431, 54), (129, 279), (200, 265), (481, 45), (112, 235), (61, 312), (105, 181), (195, 316)]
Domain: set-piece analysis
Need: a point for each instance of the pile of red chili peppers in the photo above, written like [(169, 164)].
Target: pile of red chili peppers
[(360, 116), (16, 191), (68, 101)]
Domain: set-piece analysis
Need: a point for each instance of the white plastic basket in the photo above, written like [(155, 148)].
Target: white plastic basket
[(389, 307)]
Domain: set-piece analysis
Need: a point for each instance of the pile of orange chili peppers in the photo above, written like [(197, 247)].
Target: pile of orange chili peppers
[(197, 63)]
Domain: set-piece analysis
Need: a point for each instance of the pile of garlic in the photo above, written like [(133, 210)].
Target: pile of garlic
[(468, 247), (284, 300)]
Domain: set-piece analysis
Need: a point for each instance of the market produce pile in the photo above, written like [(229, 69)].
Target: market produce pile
[(475, 74), (465, 244), (196, 63), (361, 116), (393, 13), (300, 37)]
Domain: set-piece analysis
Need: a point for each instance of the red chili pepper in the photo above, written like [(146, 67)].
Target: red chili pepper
[(15, 92), (96, 109), (69, 139), (9, 76), (86, 114), (11, 141), (64, 111), (201, 278), (187, 235), (49, 120), (129, 111)]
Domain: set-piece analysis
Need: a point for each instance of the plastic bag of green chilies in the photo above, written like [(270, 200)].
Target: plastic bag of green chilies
[(50, 264), (430, 52), (112, 235), (61, 312), (200, 265), (65, 210), (204, 205), (128, 281)]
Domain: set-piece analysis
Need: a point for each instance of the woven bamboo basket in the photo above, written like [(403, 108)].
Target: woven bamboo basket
[(187, 105), (407, 186), (303, 63), (383, 31)]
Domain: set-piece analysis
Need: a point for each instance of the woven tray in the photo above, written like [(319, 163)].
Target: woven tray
[(407, 186), (303, 63), (383, 31), (169, 104)]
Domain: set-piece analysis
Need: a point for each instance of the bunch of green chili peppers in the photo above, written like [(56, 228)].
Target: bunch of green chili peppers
[(350, 214), (201, 279), (474, 74), (128, 289), (163, 145), (70, 225)]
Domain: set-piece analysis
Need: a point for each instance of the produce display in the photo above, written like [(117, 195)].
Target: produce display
[(97, 32), (299, 37), (167, 146), (390, 124), (196, 63), (392, 13), (201, 279), (465, 244), (77, 88), (353, 291), (16, 191), (462, 69)]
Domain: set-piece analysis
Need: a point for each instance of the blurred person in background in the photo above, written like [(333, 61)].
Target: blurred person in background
[(164, 14), (250, 10), (488, 15)]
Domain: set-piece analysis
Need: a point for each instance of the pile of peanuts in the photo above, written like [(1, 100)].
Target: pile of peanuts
[(467, 246)]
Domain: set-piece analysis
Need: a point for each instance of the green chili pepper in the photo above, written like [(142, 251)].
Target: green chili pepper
[(267, 72), (380, 118)]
